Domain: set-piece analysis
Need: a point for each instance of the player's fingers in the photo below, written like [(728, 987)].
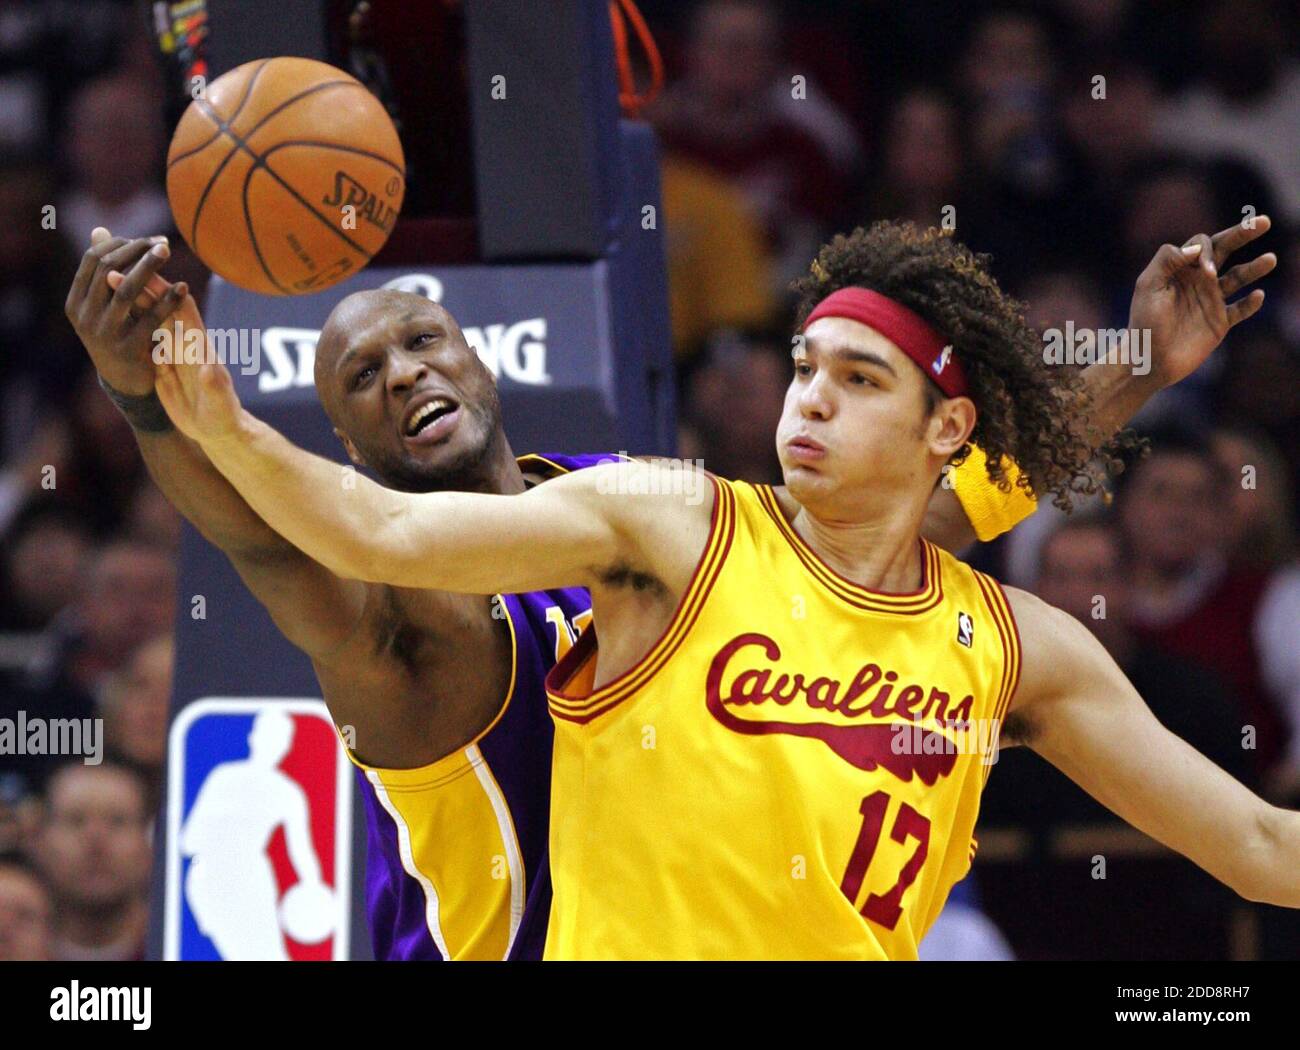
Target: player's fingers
[(1228, 241), (132, 286), (1247, 273), (83, 280), (154, 290), (1170, 260), (1206, 256), (143, 301), (165, 305), (121, 258), (1245, 307)]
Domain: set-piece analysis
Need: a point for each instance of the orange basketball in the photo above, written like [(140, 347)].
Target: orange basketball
[(286, 176)]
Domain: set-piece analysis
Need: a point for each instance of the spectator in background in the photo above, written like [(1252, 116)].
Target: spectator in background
[(45, 556), (1029, 203), (114, 148), (1054, 300), (1169, 197), (1109, 139), (134, 708), (129, 599), (39, 361), (1260, 389), (733, 401), (719, 272), (20, 812), (922, 161), (1246, 99), (1083, 572), (1187, 597), (104, 468), (1115, 133), (1288, 310), (26, 928), (721, 115), (1257, 517), (94, 852)]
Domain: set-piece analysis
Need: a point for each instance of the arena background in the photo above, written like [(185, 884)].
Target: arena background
[(778, 125)]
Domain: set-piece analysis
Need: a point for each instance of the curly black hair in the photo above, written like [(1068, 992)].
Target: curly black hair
[(1029, 412)]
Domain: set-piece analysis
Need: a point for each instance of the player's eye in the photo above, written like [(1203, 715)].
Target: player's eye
[(423, 339), (363, 376), (862, 379), (802, 368)]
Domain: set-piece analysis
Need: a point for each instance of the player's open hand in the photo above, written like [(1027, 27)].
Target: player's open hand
[(1182, 297)]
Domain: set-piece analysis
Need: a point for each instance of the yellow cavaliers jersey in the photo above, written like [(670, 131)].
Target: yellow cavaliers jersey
[(794, 769)]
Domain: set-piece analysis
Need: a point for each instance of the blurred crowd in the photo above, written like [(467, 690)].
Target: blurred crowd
[(1068, 138)]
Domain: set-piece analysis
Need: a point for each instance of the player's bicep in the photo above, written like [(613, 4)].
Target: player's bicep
[(1085, 717)]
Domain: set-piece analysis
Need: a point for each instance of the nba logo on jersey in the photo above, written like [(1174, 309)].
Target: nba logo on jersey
[(258, 832), (965, 630)]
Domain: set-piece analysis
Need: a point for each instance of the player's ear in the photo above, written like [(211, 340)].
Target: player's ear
[(951, 425), (349, 448)]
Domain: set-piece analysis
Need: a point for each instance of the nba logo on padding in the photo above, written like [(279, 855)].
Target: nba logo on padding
[(259, 832)]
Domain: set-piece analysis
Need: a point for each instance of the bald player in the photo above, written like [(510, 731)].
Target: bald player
[(773, 740)]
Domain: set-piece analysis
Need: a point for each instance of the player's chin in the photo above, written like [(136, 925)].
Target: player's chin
[(805, 478)]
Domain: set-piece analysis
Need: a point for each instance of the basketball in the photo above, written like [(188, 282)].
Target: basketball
[(285, 176)]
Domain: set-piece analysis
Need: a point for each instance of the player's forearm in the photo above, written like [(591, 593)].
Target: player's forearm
[(206, 499), (328, 511), (1116, 392), (1274, 875)]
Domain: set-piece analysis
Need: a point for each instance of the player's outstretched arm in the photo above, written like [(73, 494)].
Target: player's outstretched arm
[(1076, 708), (1182, 300), (565, 532), (115, 318)]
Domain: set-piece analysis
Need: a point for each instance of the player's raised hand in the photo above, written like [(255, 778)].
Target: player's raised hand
[(1182, 297), (115, 320)]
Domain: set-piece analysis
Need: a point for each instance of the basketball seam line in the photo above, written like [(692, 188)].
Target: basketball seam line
[(252, 233), (248, 91), (240, 143)]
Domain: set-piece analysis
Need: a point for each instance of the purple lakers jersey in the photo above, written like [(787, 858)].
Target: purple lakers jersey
[(456, 850)]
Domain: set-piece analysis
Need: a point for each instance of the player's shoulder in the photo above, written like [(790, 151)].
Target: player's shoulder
[(1056, 649), (1037, 616)]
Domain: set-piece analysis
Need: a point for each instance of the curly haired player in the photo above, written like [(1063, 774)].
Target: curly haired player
[(777, 746)]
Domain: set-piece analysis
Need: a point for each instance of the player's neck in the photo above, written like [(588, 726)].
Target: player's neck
[(502, 474), (880, 553)]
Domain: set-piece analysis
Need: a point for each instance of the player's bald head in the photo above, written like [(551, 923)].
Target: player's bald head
[(355, 318), (361, 317)]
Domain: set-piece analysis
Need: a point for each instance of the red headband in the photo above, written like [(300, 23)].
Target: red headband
[(905, 329)]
